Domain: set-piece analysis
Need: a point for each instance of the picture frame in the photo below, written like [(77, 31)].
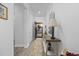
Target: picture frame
[(3, 12), (38, 29)]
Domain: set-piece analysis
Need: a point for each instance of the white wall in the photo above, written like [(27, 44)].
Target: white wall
[(68, 16), (23, 26), (6, 33), (28, 21), (19, 25)]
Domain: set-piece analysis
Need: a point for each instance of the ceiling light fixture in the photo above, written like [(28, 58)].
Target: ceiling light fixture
[(38, 12)]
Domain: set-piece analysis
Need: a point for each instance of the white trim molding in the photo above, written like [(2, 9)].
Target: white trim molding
[(19, 45)]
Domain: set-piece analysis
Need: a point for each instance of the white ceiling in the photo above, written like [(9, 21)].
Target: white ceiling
[(39, 9)]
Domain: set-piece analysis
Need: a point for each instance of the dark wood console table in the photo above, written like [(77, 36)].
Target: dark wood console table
[(53, 40), (49, 40)]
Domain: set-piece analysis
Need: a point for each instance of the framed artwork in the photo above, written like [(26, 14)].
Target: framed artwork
[(3, 12), (38, 29)]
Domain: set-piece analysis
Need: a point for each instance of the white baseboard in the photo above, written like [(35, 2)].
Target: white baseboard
[(27, 45), (19, 45)]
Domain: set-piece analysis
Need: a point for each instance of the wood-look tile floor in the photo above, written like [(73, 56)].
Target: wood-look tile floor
[(35, 49)]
